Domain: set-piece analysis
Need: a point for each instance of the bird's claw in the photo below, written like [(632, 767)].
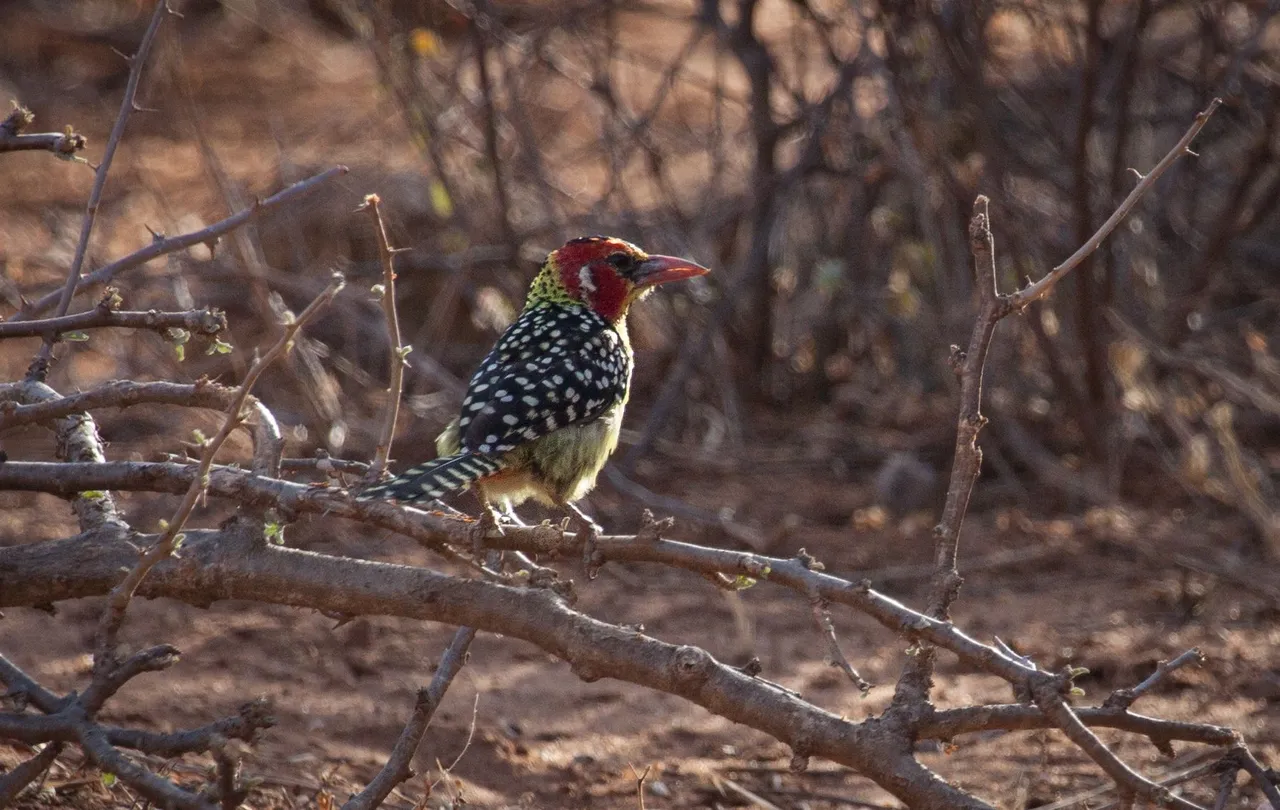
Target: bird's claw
[(488, 522)]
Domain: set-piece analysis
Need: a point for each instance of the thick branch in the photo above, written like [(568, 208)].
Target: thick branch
[(118, 600), (233, 564), (78, 441)]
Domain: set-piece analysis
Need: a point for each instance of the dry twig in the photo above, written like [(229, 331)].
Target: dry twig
[(397, 768), (121, 594), (39, 366), (398, 353)]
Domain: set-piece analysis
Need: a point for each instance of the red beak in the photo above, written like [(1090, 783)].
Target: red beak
[(661, 269)]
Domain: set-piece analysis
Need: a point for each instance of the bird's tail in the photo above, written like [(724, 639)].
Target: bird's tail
[(436, 478)]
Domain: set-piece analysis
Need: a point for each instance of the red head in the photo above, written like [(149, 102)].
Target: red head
[(607, 274)]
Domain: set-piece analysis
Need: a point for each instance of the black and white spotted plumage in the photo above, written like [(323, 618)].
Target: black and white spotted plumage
[(556, 366), (436, 478), (544, 410)]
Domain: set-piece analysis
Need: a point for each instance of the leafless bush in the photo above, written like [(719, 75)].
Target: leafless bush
[(856, 119)]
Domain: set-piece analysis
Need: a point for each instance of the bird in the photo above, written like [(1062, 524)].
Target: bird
[(543, 411)]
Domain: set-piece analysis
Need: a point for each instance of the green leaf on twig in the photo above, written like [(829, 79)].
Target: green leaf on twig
[(274, 533)]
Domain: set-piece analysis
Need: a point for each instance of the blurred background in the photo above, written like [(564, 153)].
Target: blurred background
[(822, 156)]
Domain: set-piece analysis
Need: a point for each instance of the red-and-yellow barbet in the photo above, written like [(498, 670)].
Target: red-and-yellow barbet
[(543, 412)]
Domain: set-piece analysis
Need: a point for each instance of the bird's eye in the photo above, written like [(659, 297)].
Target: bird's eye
[(625, 262)]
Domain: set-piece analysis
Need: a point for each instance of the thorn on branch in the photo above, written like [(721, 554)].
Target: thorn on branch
[(752, 668), (650, 529), (810, 562)]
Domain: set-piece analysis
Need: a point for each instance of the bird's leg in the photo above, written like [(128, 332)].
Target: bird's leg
[(489, 520), (510, 514), (590, 531), (584, 520)]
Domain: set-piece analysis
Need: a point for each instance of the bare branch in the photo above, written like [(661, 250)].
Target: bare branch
[(372, 204), (118, 601), (78, 441), (267, 441), (63, 144), (397, 768), (209, 235), (911, 695), (139, 59), (24, 688), (13, 782), (197, 321), (1124, 698), (93, 739), (822, 617), (948, 723), (1050, 701), (1268, 781), (234, 564), (1034, 292)]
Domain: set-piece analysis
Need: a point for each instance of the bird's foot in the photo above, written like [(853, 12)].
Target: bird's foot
[(489, 522), (590, 532), (585, 523)]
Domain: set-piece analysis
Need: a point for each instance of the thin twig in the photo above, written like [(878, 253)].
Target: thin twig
[(1226, 784), (13, 782), (121, 594), (1266, 779), (640, 777), (1056, 709), (198, 321), (1034, 292), (912, 692), (127, 106), (397, 769), (822, 617), (1124, 698), (372, 204), (204, 236), (752, 799)]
